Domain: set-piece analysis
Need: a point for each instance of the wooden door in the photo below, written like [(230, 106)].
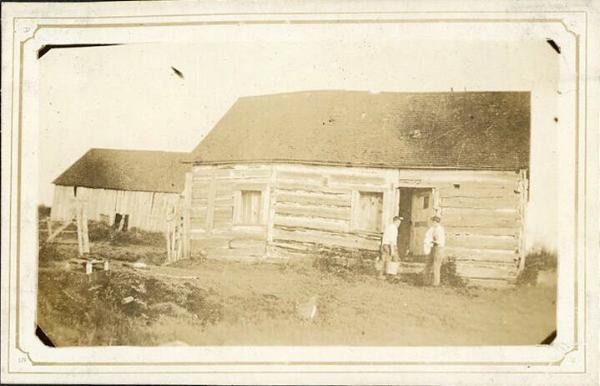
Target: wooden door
[(421, 212), (405, 229)]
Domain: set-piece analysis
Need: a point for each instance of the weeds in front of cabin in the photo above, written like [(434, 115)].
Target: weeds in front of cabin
[(344, 263), (541, 259), (449, 276), (114, 307)]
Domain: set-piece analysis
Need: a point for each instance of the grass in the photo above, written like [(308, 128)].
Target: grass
[(234, 303), (100, 231), (211, 302)]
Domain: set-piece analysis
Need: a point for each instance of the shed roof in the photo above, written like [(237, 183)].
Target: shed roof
[(458, 130), (139, 170)]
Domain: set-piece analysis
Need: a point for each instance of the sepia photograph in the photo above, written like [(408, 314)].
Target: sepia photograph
[(221, 192), (311, 212)]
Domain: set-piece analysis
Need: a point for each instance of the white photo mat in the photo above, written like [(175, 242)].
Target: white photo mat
[(571, 359)]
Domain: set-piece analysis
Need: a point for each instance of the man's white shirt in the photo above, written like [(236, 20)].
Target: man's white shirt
[(390, 235), (435, 234)]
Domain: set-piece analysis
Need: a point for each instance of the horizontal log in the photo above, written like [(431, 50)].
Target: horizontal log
[(506, 202), (281, 252), (238, 230), (201, 177), (473, 270), (479, 212), (294, 246), (199, 192), (312, 198), (458, 176), (223, 210), (481, 241), (356, 179), (198, 223), (250, 185), (366, 187), (241, 254), (223, 221), (313, 211), (311, 223), (282, 185), (199, 204), (506, 184), (304, 177), (496, 220), (198, 212), (247, 243), (224, 189), (345, 240), (489, 192), (488, 255), (243, 173), (460, 229), (224, 200)]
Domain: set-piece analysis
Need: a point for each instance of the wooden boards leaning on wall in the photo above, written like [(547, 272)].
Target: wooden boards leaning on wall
[(146, 210)]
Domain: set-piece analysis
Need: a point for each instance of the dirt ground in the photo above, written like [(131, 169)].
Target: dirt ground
[(214, 302)]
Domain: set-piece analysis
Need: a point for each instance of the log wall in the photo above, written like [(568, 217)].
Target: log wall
[(146, 210), (214, 229), (308, 209)]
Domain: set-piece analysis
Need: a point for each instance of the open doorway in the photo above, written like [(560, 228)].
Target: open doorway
[(416, 206)]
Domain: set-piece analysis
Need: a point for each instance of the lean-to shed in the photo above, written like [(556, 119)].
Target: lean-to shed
[(137, 186), (296, 173)]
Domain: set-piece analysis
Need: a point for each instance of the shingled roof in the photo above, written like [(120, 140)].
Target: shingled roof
[(139, 170), (457, 130)]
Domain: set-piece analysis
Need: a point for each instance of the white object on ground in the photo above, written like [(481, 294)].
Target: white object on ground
[(308, 310)]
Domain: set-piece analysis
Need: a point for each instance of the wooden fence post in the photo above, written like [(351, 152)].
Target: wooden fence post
[(84, 229), (187, 208), (78, 221)]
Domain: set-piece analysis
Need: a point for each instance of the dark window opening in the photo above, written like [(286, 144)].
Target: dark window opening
[(121, 222)]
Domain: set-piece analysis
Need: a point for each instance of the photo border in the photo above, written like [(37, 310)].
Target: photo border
[(24, 29)]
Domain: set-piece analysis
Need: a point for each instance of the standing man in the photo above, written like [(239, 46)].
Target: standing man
[(389, 245), (435, 241)]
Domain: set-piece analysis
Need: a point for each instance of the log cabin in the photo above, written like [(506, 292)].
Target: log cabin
[(134, 187), (295, 174)]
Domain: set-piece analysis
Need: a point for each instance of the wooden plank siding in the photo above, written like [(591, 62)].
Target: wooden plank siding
[(146, 210), (218, 230), (310, 208)]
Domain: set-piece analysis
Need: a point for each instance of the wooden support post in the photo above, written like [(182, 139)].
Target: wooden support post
[(84, 230), (168, 239), (187, 208), (79, 230), (523, 198), (210, 208), (49, 225)]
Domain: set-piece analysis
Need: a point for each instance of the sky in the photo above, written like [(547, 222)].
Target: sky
[(129, 97)]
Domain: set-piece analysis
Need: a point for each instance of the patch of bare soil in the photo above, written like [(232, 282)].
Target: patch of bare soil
[(232, 303)]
